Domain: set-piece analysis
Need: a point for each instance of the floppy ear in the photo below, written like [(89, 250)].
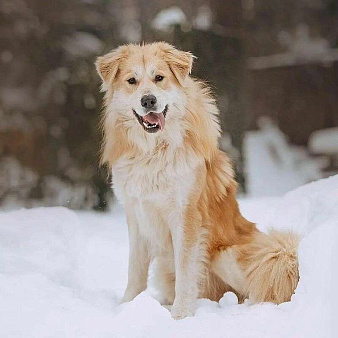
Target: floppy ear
[(108, 65), (179, 62)]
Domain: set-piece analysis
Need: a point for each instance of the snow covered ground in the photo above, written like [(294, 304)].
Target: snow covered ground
[(273, 166), (62, 274)]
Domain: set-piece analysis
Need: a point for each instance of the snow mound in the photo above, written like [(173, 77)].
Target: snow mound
[(63, 273)]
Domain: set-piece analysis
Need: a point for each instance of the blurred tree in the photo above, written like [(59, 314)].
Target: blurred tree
[(48, 51), (49, 96)]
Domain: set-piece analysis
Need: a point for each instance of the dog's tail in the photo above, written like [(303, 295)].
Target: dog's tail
[(264, 270)]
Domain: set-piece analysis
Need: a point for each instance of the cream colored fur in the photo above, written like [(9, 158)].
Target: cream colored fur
[(179, 191)]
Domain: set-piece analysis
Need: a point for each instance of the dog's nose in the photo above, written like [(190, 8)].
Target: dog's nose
[(148, 101)]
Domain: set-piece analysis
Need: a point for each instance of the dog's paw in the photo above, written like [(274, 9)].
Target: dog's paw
[(126, 299), (129, 295), (168, 307), (180, 312)]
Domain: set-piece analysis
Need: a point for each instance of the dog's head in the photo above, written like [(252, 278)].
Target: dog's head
[(145, 85)]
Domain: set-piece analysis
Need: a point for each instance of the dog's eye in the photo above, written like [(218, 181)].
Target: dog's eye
[(132, 80), (159, 78)]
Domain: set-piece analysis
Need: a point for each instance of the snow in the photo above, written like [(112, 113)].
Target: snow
[(301, 48), (203, 19), (273, 166), (303, 45), (324, 141), (169, 17), (82, 44), (16, 181), (63, 274)]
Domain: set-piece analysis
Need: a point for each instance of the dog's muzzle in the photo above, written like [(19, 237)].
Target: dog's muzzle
[(152, 122)]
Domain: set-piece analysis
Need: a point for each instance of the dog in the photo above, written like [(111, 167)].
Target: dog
[(160, 141)]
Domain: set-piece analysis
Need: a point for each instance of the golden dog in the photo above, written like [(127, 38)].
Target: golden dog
[(161, 135)]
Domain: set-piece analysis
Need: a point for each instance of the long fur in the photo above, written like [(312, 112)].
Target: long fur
[(195, 228), (270, 266)]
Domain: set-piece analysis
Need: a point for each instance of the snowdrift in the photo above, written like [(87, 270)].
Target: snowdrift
[(63, 273)]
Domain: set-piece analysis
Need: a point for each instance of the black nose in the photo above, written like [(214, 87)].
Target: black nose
[(148, 101)]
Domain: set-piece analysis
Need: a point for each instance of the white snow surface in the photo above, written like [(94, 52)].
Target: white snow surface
[(62, 274), (273, 166), (324, 141)]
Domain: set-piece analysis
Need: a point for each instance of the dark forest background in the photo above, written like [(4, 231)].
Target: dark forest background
[(262, 57)]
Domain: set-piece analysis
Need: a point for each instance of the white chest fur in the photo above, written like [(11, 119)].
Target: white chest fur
[(155, 176), (157, 186)]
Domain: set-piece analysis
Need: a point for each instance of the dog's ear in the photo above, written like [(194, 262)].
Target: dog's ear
[(179, 62), (107, 65)]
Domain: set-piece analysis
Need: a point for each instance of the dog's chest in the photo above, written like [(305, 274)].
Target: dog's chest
[(155, 177), (157, 189)]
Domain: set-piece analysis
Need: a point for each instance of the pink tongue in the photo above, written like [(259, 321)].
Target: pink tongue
[(155, 118)]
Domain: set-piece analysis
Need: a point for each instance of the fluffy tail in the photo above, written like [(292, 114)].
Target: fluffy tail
[(264, 270)]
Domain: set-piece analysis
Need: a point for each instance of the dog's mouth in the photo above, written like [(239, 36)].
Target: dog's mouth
[(152, 122)]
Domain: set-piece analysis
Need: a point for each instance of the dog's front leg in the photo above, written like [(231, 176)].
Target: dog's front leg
[(186, 243), (138, 259)]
